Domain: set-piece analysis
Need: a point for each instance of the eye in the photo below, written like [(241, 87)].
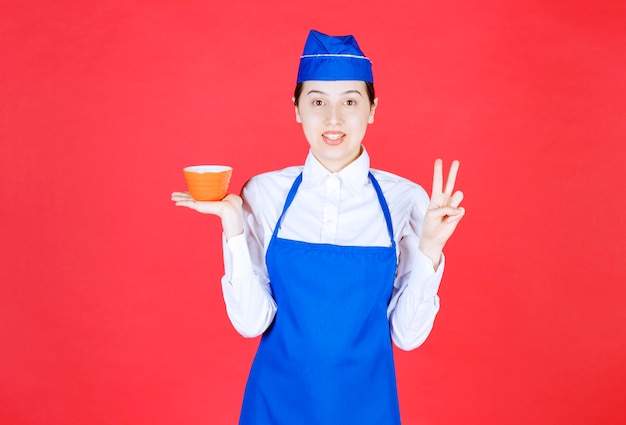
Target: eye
[(350, 102), (318, 102)]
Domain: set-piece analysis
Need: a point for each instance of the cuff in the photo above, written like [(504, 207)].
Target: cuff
[(237, 261), (425, 281)]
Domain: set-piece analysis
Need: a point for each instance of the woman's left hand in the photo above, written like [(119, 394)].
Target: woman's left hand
[(443, 214)]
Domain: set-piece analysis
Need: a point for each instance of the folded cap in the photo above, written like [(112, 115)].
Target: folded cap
[(330, 58)]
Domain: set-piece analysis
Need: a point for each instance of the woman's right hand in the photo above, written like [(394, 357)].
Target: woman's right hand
[(228, 209)]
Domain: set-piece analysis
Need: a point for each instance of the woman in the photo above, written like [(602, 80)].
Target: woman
[(331, 261)]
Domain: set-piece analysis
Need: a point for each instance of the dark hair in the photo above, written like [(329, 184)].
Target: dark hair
[(369, 87)]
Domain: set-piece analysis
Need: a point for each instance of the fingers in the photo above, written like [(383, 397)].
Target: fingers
[(181, 196), (456, 199), (457, 217), (189, 204), (230, 206), (184, 199), (437, 178), (454, 168), (449, 214)]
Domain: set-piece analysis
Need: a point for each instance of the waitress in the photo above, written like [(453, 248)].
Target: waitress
[(332, 261)]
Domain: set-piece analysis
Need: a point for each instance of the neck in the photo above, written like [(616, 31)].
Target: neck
[(337, 166)]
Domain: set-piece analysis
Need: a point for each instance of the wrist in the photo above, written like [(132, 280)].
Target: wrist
[(232, 226), (432, 251), (232, 220)]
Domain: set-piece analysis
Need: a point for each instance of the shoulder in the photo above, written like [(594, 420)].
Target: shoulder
[(407, 201), (398, 189), (269, 190), (273, 180)]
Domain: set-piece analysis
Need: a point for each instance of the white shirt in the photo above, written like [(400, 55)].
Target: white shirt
[(338, 208)]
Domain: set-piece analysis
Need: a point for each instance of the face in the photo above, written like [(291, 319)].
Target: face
[(334, 117)]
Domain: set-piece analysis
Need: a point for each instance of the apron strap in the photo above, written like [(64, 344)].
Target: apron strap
[(383, 205), (379, 192), (290, 196)]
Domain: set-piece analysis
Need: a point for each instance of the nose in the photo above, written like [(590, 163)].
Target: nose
[(334, 115)]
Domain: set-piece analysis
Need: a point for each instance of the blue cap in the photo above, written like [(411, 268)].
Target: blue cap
[(330, 58)]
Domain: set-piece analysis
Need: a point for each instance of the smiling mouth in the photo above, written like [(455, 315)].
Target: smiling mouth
[(333, 137)]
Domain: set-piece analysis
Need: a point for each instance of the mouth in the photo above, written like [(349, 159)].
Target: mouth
[(333, 137)]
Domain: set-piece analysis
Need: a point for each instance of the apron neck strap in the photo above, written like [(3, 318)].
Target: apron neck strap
[(383, 205), (381, 200)]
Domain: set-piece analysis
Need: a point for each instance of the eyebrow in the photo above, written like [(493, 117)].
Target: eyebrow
[(326, 94)]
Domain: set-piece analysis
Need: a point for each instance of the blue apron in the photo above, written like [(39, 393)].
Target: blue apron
[(327, 357)]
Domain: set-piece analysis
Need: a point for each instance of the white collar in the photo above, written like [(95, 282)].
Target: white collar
[(354, 176)]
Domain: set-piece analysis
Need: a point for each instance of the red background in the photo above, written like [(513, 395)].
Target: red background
[(110, 304)]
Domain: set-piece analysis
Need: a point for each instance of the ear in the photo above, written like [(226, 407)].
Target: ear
[(297, 111), (372, 111)]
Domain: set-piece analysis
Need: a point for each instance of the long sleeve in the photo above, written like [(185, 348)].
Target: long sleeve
[(247, 295), (414, 303)]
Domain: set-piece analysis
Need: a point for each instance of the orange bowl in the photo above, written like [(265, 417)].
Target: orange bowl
[(208, 182)]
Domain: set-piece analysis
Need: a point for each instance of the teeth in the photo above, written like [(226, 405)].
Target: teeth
[(333, 136)]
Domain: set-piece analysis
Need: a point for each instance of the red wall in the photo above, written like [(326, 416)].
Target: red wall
[(110, 304)]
